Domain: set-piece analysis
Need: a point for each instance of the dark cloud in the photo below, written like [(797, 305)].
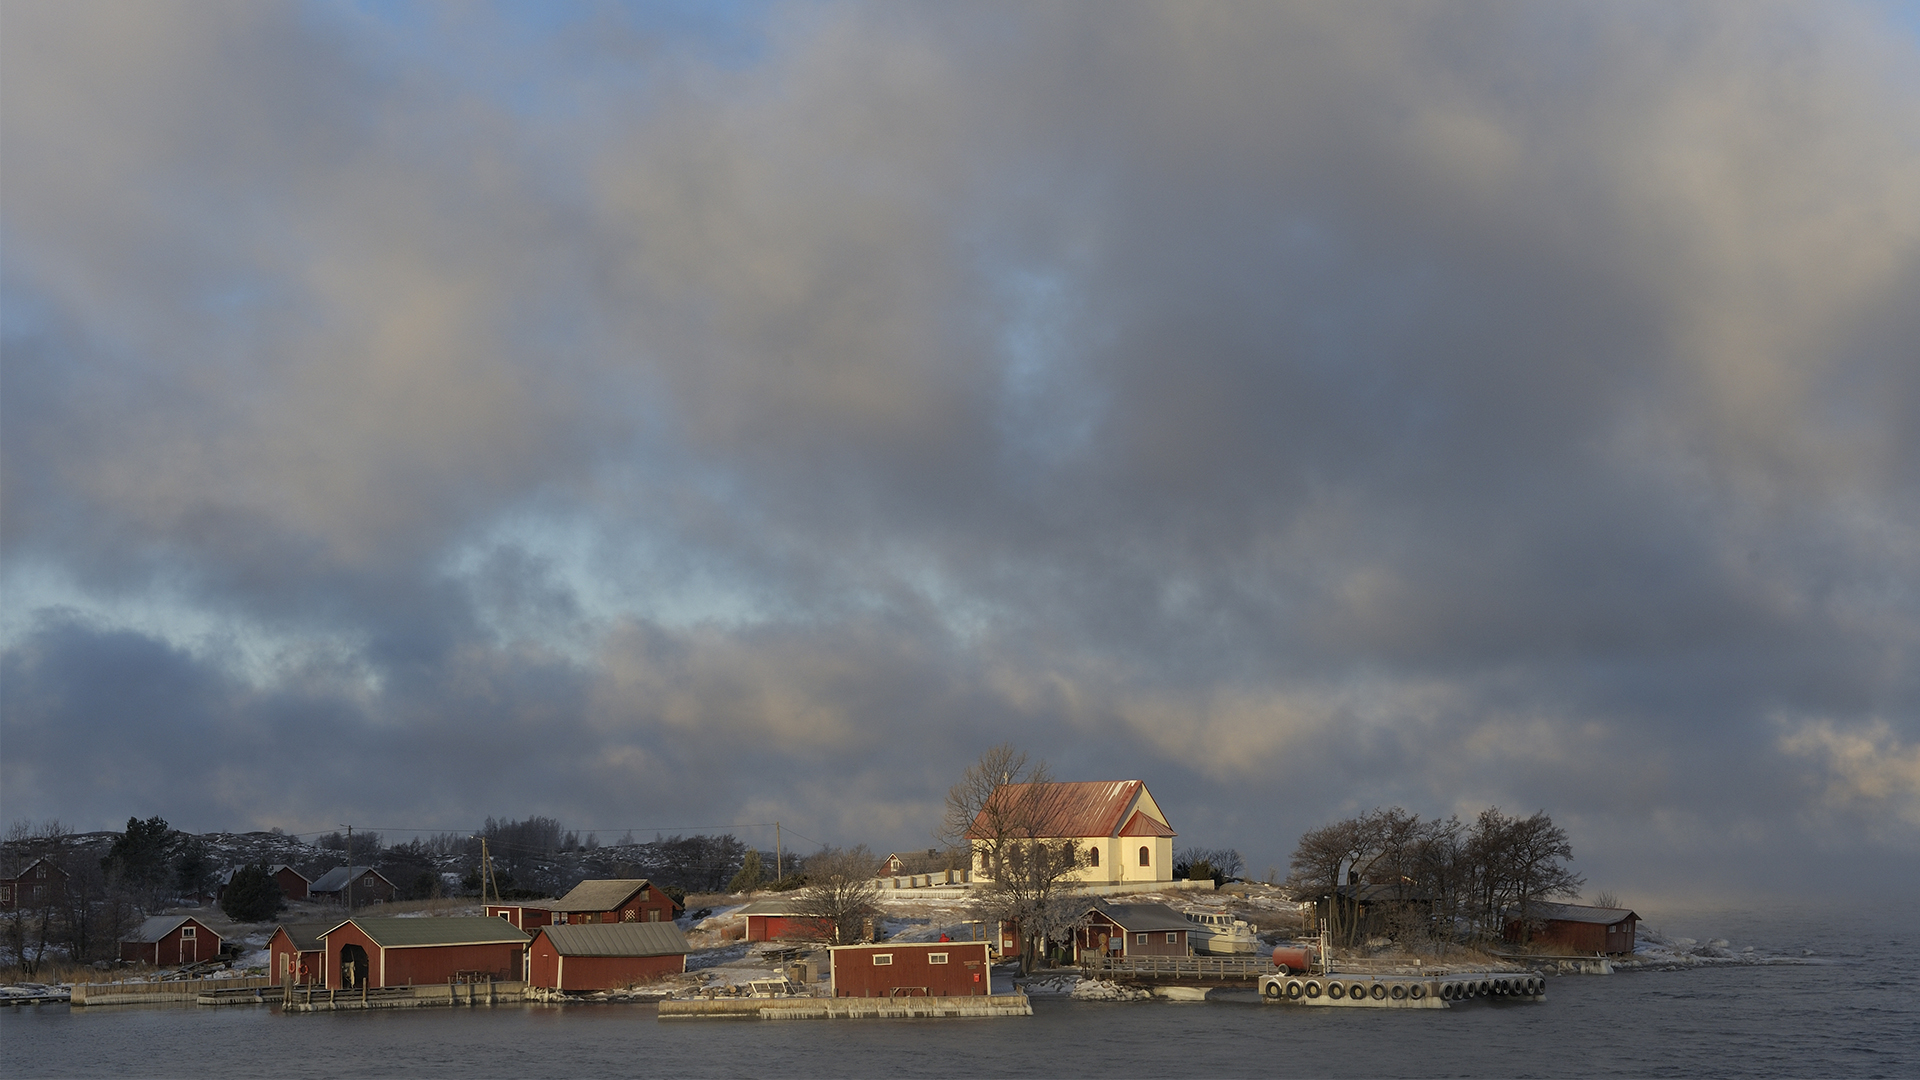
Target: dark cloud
[(1298, 408)]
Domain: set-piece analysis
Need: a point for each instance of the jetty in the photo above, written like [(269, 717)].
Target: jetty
[(174, 992), (1355, 990), (435, 995), (846, 1008)]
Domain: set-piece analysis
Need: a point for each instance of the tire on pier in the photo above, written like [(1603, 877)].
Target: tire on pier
[(1485, 988), (1294, 989), (1378, 992), (1336, 990), (1313, 989), (1398, 992), (1356, 991), (1271, 989), (1418, 991)]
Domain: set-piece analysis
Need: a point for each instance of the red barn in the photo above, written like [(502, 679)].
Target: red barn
[(605, 957), (168, 940), (529, 916), (1132, 930), (296, 950), (613, 900), (1575, 927), (912, 969), (386, 951), (781, 920)]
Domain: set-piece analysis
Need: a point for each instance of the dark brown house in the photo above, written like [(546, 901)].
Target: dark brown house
[(363, 884), (1120, 930), (293, 884), (37, 883), (1574, 928)]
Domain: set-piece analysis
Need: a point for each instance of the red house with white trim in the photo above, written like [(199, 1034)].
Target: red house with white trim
[(1117, 930), (296, 949), (171, 940), (614, 900), (605, 956), (391, 951), (912, 969), (780, 919)]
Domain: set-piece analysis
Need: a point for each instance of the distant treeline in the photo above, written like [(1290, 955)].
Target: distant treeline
[(1395, 873)]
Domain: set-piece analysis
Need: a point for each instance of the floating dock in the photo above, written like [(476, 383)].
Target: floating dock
[(846, 1008), (1353, 990)]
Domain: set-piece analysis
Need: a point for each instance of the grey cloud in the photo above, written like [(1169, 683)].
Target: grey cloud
[(1431, 405)]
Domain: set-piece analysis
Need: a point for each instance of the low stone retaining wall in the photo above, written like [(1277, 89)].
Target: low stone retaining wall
[(900, 1008)]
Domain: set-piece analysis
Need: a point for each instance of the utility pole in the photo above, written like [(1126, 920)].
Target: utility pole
[(486, 874), (350, 873), (778, 874)]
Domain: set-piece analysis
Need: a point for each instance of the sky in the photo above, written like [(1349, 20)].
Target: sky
[(670, 415)]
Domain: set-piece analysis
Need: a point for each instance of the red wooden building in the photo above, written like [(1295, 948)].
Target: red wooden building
[(293, 884), (296, 949), (529, 916), (780, 919), (1575, 928), (613, 900), (912, 969), (169, 940), (360, 885), (605, 957), (38, 882), (1132, 930), (382, 951)]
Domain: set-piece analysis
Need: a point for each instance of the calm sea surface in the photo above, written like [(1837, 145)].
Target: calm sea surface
[(1852, 1009)]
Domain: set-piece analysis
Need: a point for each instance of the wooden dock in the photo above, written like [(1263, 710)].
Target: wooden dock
[(1188, 970), (440, 995), (167, 992)]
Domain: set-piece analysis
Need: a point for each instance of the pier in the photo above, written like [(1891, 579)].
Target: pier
[(441, 995), (1354, 990)]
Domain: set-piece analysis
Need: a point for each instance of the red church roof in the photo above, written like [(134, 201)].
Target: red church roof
[(1087, 808)]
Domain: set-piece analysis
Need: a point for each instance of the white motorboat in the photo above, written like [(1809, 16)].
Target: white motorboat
[(1216, 934)]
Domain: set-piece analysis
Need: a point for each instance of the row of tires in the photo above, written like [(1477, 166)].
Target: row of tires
[(1335, 989)]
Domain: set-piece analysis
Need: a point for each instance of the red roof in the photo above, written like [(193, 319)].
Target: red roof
[(1142, 825), (1088, 808)]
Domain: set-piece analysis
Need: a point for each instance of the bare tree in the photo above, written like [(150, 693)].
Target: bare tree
[(842, 891), (1006, 810)]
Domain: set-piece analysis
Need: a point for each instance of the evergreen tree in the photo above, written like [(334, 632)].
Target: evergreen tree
[(750, 876), (253, 895)]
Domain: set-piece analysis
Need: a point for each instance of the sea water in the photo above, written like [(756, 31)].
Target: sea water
[(1838, 997)]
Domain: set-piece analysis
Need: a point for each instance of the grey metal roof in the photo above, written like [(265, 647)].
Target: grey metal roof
[(306, 936), (1579, 913), (1143, 918), (399, 932), (601, 894), (335, 880), (159, 926), (618, 939), (789, 905)]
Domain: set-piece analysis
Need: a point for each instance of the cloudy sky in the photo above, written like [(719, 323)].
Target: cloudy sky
[(669, 414)]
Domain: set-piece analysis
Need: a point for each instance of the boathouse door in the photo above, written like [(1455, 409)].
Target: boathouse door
[(353, 966)]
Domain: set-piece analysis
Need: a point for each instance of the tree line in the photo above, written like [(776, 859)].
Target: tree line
[(1432, 879)]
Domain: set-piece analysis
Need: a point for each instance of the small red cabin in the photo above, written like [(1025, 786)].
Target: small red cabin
[(386, 951), (1575, 928), (169, 940), (605, 957), (293, 884), (1117, 930), (296, 950), (529, 916), (912, 969), (781, 920), (614, 900)]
